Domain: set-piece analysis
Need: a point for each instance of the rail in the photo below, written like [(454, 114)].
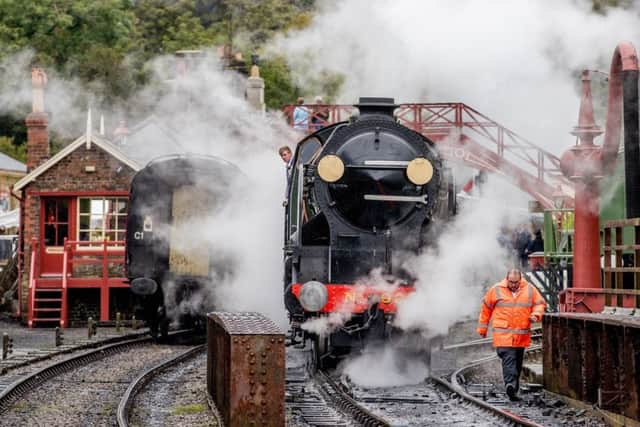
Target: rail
[(468, 136), (347, 404), (454, 384), (126, 402), (32, 380)]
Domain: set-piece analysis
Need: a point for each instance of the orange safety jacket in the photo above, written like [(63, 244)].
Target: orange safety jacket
[(511, 323)]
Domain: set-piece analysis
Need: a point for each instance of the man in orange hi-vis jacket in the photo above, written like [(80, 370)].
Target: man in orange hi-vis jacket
[(512, 304)]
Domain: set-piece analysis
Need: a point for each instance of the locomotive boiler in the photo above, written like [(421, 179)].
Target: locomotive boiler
[(362, 195), (171, 263)]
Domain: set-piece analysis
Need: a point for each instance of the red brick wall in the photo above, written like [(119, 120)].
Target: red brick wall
[(37, 139), (68, 175)]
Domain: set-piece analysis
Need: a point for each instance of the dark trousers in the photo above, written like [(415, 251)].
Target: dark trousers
[(511, 364)]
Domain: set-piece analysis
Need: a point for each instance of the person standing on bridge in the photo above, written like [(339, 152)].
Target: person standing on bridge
[(512, 304), (301, 116)]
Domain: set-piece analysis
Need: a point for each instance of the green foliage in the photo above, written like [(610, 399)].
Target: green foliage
[(12, 127), (105, 44), (165, 27), (80, 38), (256, 21), (279, 88), (601, 6), (7, 147)]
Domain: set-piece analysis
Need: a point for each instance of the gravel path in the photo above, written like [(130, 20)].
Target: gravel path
[(177, 398), (88, 396)]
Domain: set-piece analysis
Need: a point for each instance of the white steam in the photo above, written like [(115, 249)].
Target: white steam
[(514, 61), (452, 275), (364, 292), (325, 325), (206, 112), (385, 367), (213, 119), (66, 100)]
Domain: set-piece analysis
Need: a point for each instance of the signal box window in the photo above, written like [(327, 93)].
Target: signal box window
[(56, 221), (102, 218)]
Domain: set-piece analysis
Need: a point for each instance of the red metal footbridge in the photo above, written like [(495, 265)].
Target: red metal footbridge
[(467, 136)]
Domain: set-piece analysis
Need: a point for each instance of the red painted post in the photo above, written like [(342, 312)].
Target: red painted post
[(32, 282), (104, 285), (586, 251), (66, 259), (582, 164)]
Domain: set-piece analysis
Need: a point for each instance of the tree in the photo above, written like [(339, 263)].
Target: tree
[(256, 21), (79, 38), (279, 87), (16, 151), (165, 27)]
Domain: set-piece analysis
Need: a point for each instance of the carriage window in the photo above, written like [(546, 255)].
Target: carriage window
[(102, 218)]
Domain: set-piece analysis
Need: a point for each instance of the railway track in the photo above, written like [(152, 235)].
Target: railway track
[(328, 399), (192, 359), (83, 389), (473, 382), (332, 399)]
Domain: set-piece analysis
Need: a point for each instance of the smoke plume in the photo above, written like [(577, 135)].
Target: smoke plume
[(517, 62), (205, 112)]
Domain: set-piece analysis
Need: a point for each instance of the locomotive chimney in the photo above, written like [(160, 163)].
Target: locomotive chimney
[(379, 108)]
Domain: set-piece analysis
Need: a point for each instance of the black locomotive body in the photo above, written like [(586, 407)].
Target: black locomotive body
[(362, 194), (170, 261)]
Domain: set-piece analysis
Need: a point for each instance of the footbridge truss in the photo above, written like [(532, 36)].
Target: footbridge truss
[(467, 136)]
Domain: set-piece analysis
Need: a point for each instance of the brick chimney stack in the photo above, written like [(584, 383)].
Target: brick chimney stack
[(37, 122), (254, 91)]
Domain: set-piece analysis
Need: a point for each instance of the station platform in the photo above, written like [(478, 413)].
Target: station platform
[(595, 358), (33, 343)]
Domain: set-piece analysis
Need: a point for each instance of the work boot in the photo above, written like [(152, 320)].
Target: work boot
[(511, 392)]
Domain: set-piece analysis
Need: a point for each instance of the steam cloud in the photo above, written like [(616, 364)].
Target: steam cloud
[(210, 116), (517, 62), (467, 256), (389, 368), (246, 231), (66, 100), (514, 61)]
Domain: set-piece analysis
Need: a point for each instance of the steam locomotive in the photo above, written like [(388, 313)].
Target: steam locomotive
[(170, 262), (362, 193)]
